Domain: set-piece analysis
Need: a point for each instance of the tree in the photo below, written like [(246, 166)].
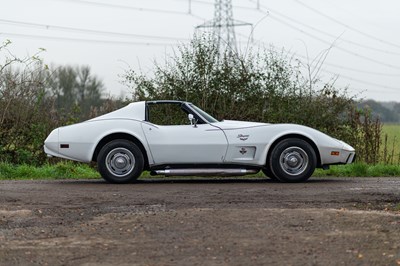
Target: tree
[(378, 110), (75, 89)]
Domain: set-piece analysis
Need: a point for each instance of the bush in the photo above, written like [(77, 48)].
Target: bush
[(266, 86), (25, 113)]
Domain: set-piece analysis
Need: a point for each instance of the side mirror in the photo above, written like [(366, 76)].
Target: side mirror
[(193, 121)]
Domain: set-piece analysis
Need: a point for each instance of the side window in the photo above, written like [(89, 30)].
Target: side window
[(167, 114)]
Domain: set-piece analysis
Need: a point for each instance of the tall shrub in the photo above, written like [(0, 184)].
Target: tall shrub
[(26, 115), (267, 86), (34, 101)]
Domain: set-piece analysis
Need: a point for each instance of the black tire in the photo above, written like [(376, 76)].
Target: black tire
[(268, 173), (292, 160), (120, 161)]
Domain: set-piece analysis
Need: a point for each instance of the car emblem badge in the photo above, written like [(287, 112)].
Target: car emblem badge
[(243, 151), (243, 137)]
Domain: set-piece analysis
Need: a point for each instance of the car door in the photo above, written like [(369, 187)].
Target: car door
[(173, 140), (185, 144)]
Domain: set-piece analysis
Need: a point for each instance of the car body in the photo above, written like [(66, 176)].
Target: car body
[(178, 138)]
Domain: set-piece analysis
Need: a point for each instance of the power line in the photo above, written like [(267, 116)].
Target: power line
[(30, 36), (347, 68), (352, 69), (329, 34), (362, 81), (127, 7), (234, 6), (51, 27), (224, 25), (346, 25), (143, 9), (328, 43), (335, 65), (259, 6)]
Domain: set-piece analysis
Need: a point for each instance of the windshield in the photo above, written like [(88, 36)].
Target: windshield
[(206, 116)]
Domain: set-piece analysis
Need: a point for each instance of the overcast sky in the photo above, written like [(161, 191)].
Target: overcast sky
[(111, 36)]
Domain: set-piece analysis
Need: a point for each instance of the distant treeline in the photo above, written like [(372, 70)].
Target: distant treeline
[(388, 112)]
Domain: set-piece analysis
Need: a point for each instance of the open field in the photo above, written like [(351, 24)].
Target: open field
[(393, 141), (327, 221)]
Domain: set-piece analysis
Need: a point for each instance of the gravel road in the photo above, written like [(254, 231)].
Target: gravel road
[(325, 221)]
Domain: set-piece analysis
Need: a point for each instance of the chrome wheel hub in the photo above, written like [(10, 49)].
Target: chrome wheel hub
[(120, 162), (294, 160)]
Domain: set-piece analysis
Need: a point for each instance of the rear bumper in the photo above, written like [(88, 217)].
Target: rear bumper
[(51, 144)]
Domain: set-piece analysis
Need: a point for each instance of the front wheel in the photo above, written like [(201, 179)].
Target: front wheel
[(120, 161), (292, 160)]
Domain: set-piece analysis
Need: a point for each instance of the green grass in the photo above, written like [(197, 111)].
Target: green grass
[(60, 170), (360, 170), (71, 170)]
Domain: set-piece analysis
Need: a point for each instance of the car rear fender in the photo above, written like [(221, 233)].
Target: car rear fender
[(127, 136)]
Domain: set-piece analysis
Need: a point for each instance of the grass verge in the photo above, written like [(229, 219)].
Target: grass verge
[(360, 170), (62, 170), (71, 170)]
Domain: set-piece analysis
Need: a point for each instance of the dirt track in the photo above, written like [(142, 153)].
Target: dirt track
[(231, 222)]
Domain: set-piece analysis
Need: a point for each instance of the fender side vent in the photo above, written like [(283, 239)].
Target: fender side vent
[(64, 146)]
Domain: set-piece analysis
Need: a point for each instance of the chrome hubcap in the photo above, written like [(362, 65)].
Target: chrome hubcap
[(120, 162), (294, 160)]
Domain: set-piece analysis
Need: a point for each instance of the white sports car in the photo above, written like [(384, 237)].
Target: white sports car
[(176, 138)]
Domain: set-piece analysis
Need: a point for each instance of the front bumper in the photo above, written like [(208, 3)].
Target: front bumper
[(337, 153)]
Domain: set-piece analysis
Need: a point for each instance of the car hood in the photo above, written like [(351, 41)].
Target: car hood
[(232, 124)]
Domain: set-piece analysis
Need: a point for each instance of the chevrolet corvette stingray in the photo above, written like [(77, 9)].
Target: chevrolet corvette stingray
[(177, 138)]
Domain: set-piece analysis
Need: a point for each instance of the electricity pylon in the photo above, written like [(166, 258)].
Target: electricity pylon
[(223, 25)]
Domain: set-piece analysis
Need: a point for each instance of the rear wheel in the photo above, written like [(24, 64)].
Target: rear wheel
[(292, 160), (120, 161)]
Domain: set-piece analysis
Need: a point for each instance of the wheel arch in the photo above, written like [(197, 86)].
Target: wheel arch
[(125, 136), (298, 136)]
